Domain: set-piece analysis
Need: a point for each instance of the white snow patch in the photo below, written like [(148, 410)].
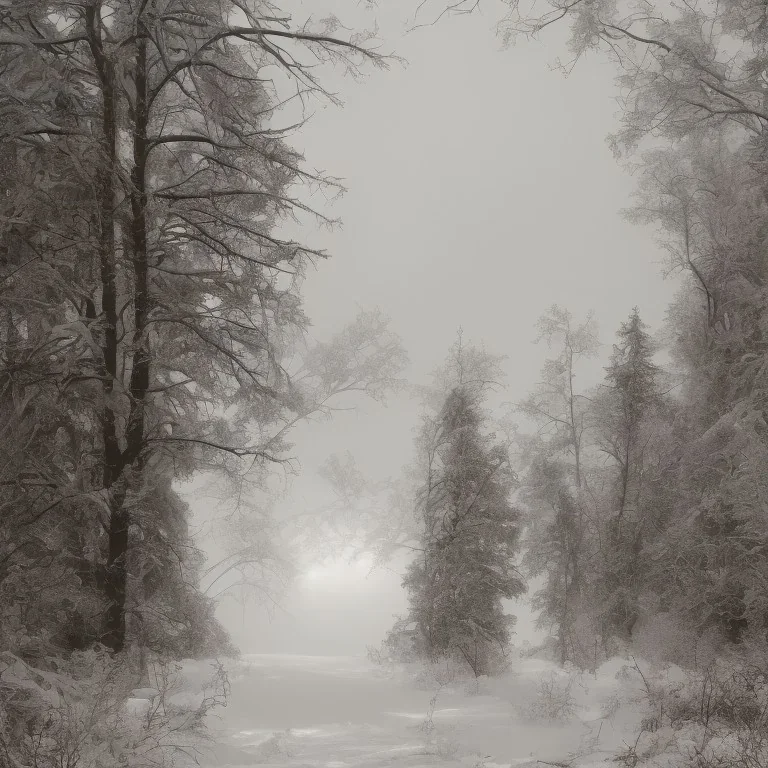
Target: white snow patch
[(333, 712)]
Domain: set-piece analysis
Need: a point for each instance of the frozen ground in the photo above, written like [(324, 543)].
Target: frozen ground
[(339, 712)]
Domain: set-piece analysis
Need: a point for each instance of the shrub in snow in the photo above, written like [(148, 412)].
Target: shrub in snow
[(720, 695), (446, 747), (438, 738), (434, 674), (554, 700), (86, 712), (377, 655), (715, 717)]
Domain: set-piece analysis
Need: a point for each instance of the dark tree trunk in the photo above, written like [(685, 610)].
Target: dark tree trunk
[(114, 576), (117, 570)]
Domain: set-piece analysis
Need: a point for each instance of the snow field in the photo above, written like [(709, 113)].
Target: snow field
[(333, 712)]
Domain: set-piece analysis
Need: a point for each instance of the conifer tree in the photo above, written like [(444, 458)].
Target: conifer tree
[(630, 394), (470, 531)]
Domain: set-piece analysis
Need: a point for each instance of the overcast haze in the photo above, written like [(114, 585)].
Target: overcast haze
[(264, 507), (481, 191)]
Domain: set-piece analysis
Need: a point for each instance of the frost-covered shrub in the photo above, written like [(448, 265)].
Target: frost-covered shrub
[(446, 747), (376, 655), (382, 661), (87, 712), (554, 700), (404, 643), (715, 717), (722, 695), (431, 675), (438, 738), (647, 687), (275, 749), (447, 669)]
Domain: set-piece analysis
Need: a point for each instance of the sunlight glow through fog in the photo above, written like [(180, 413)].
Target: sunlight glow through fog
[(338, 573)]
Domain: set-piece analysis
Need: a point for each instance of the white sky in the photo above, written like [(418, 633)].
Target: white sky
[(481, 191)]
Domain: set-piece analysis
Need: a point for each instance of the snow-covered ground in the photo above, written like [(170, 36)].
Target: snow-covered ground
[(341, 712)]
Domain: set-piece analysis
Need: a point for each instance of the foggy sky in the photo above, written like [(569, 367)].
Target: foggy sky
[(481, 191)]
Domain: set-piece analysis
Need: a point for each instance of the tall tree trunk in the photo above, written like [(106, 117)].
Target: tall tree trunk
[(140, 371), (105, 187), (114, 581)]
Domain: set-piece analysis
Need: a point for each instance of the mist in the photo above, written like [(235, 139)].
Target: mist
[(383, 385), (476, 208)]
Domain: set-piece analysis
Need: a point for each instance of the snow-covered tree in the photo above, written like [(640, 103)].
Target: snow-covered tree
[(555, 478), (555, 548), (470, 529), (151, 314), (622, 411), (556, 405)]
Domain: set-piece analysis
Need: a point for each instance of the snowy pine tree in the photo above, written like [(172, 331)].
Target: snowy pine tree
[(470, 535), (621, 411)]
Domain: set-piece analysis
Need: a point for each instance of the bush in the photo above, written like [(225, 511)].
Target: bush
[(385, 666), (554, 700), (718, 715), (86, 712), (719, 696), (438, 674), (403, 643)]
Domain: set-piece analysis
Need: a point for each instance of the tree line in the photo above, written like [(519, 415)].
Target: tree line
[(643, 501), (637, 505)]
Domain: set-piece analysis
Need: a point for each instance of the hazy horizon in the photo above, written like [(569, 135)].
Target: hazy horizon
[(485, 204)]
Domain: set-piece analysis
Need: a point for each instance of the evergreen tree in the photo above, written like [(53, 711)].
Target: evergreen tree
[(709, 568), (470, 535), (623, 408)]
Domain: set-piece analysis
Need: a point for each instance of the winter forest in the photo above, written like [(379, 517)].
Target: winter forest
[(206, 410)]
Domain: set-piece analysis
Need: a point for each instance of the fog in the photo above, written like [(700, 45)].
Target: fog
[(349, 418), (481, 191)]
